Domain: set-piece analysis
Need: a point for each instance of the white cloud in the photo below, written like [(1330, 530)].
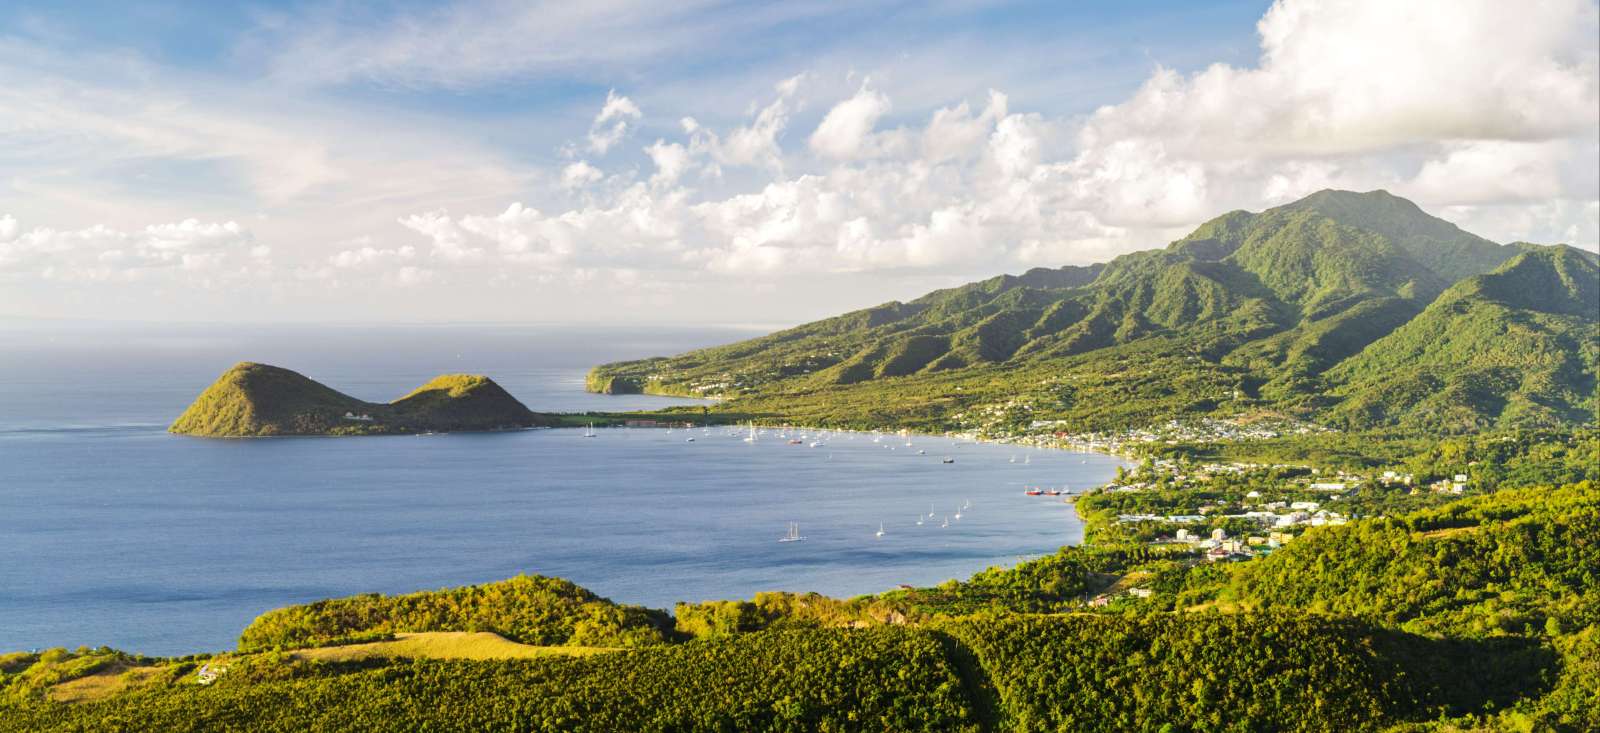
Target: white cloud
[(580, 174), (1475, 101), (753, 144), (614, 122), (190, 250), (955, 133), (671, 160), (846, 132)]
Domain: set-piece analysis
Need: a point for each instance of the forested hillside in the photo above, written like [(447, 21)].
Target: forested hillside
[(1358, 310)]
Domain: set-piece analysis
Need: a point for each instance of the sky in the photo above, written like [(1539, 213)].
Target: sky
[(711, 161)]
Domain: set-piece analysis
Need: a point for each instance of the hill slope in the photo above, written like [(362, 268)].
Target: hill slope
[(1251, 311), (1519, 345), (258, 400)]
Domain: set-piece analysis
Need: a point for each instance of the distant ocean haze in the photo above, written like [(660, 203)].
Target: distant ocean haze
[(115, 532)]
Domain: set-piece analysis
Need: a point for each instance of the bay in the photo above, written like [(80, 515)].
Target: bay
[(114, 532)]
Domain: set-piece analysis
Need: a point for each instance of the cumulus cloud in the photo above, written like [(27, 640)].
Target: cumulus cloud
[(847, 131), (614, 122), (580, 174), (753, 144), (1485, 94), (192, 250)]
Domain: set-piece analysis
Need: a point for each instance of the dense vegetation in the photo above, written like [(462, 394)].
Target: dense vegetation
[(258, 400), (1358, 310), (1233, 672), (885, 679), (528, 609), (1517, 561)]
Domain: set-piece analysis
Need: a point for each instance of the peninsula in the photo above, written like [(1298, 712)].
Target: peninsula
[(251, 400)]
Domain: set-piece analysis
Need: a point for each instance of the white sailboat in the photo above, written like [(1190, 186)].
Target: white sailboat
[(793, 535), (589, 431), (919, 520), (946, 523), (880, 530), (752, 437)]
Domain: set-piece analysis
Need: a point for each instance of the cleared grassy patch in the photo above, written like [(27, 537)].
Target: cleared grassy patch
[(112, 680), (445, 645)]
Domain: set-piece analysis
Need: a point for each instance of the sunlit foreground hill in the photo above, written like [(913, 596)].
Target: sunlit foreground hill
[(1477, 616), (1356, 310), (260, 400)]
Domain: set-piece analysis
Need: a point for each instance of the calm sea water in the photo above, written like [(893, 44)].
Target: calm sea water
[(114, 532)]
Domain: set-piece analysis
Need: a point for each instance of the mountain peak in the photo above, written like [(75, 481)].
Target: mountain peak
[(1439, 245)]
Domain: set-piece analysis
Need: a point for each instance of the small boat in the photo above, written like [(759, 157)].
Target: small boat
[(690, 440), (946, 523), (816, 444), (589, 431), (958, 515), (948, 459), (919, 520), (930, 511), (1052, 492), (793, 535), (797, 441), (752, 437), (922, 452), (880, 530), (1027, 459), (1013, 459), (1034, 492)]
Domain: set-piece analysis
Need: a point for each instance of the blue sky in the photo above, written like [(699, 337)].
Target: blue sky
[(716, 161)]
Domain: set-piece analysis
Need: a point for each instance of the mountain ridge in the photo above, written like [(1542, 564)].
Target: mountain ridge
[(1259, 307)]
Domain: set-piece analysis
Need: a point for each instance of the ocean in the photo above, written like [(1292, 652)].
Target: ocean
[(114, 532)]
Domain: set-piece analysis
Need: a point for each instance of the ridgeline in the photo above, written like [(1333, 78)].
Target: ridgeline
[(1354, 310)]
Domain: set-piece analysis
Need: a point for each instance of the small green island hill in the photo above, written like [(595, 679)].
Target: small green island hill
[(251, 400)]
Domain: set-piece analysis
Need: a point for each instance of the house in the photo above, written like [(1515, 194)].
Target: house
[(1139, 592)]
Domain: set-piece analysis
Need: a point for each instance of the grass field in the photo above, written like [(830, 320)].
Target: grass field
[(105, 683), (444, 645)]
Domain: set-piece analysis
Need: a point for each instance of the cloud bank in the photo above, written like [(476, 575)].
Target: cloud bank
[(1474, 108)]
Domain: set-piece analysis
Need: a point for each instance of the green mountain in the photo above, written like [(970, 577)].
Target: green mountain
[(259, 400), (1519, 345), (1251, 311)]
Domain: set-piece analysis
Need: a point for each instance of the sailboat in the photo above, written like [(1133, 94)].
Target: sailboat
[(919, 520), (752, 437), (946, 523), (930, 511), (880, 530), (589, 431), (793, 535)]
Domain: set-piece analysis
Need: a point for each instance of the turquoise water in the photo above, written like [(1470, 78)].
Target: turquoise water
[(114, 532)]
